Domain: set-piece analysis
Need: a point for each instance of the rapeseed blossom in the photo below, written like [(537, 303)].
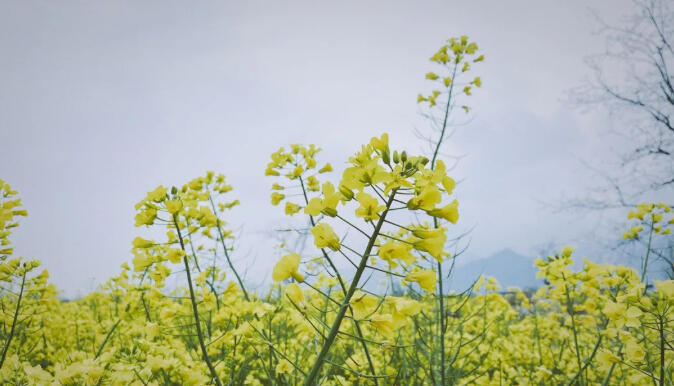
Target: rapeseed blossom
[(180, 311)]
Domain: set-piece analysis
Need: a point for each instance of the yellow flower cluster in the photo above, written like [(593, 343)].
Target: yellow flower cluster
[(656, 218), (10, 208), (454, 58)]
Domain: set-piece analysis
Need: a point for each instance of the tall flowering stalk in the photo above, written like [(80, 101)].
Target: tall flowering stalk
[(454, 60), (187, 213), (378, 183), (24, 292)]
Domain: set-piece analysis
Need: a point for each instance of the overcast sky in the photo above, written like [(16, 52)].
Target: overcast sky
[(102, 101)]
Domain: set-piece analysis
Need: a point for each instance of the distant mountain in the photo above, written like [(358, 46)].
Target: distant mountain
[(507, 267)]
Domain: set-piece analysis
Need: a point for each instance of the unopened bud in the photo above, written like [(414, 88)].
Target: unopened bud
[(346, 192), (386, 157)]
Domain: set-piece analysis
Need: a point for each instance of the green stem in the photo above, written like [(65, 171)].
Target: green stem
[(197, 321), (16, 315), (570, 310), (442, 324), (661, 330), (222, 239), (589, 360), (334, 330), (648, 252), (445, 119), (343, 287), (107, 337), (435, 223)]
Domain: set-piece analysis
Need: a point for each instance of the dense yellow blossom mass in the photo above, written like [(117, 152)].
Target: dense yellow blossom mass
[(599, 324)]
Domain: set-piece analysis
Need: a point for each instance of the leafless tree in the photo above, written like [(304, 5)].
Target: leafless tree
[(634, 78)]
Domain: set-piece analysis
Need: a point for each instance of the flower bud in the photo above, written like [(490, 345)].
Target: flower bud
[(386, 157), (346, 192), (329, 212)]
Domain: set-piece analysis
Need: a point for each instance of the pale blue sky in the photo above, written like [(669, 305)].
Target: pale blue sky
[(102, 101)]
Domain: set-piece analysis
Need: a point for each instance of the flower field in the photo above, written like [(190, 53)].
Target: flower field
[(360, 303)]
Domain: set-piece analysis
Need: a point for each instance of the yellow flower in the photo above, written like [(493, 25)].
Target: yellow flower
[(314, 207), (296, 172), (427, 198), (196, 184), (291, 208), (326, 205), (330, 199), (449, 212), (622, 315), (173, 206), (402, 308), (325, 169), (432, 241), (324, 236), (157, 195), (431, 76), (431, 100), (666, 288), (284, 367), (426, 279), (448, 183), (140, 242), (396, 250), (440, 56), (567, 251), (175, 255), (405, 306), (634, 352), (141, 261), (369, 207), (287, 268), (633, 317), (313, 184), (20, 212), (276, 198), (38, 375), (270, 171), (381, 143), (383, 324), (295, 294), (607, 358), (311, 162), (363, 305)]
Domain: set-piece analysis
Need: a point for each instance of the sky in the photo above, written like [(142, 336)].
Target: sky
[(102, 101)]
